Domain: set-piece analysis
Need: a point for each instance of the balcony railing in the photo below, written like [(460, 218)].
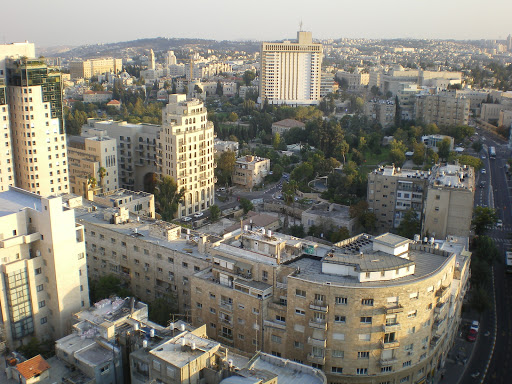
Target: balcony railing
[(392, 360), (318, 305), (316, 359), (390, 344), (274, 324), (316, 324), (226, 305), (397, 308), (317, 342), (391, 327)]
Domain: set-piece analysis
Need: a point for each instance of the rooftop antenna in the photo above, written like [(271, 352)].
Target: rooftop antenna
[(300, 26)]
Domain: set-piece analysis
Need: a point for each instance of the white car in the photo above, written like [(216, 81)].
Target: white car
[(199, 214), (475, 325), (186, 218), (484, 171), (499, 224)]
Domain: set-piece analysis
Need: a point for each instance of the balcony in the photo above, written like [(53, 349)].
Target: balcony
[(436, 340), (227, 306), (390, 345), (316, 359), (442, 292), (397, 308), (275, 324), (317, 342), (277, 306), (319, 305), (384, 362), (226, 321), (318, 325), (387, 328), (281, 285), (440, 307)]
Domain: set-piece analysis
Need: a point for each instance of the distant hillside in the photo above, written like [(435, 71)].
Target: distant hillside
[(141, 46)]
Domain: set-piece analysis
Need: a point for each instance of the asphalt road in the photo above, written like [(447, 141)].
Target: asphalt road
[(497, 325)]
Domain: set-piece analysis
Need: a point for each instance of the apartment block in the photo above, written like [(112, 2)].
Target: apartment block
[(138, 202), (291, 71), (443, 109), (392, 191), (186, 152), (43, 274), (355, 80), (449, 201), (382, 111), (383, 307), (92, 165), (136, 151), (34, 95), (15, 51), (328, 216), (6, 164), (250, 171), (88, 68)]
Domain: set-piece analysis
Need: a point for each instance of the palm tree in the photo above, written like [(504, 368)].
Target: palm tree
[(101, 173), (91, 182)]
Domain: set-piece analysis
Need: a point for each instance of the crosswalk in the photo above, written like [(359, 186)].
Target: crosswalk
[(501, 240)]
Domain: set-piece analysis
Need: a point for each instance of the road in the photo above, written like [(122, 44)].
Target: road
[(496, 194)]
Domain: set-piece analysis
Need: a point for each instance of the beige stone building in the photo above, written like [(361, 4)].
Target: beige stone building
[(356, 80), (443, 109), (34, 95), (490, 112), (88, 68), (137, 150), (449, 202), (6, 164), (285, 125), (250, 171), (392, 191), (43, 275), (329, 216), (97, 96), (138, 203), (92, 165), (186, 152), (383, 111), (369, 308), (290, 72)]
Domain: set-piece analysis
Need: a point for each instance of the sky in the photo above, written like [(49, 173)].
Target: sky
[(64, 22)]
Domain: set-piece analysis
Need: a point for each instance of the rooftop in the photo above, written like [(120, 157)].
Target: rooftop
[(330, 210), (33, 367), (289, 123), (16, 199)]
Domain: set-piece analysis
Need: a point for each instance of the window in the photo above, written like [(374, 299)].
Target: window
[(298, 345), (300, 293), (280, 318), (170, 260), (404, 379), (364, 337), (336, 370), (38, 271), (276, 339), (412, 314), (341, 301), (212, 310), (42, 304), (40, 288), (406, 363), (366, 320), (413, 295), (199, 305), (241, 336), (389, 337), (184, 265), (388, 368), (338, 354), (299, 311), (367, 302), (339, 319), (363, 355), (44, 320), (409, 347), (361, 371), (411, 330)]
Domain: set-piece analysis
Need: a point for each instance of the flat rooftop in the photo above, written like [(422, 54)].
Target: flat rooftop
[(16, 199)]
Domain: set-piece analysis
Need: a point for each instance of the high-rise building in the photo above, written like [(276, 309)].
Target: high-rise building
[(34, 95), (151, 62), (43, 273), (170, 59), (509, 42), (186, 145), (92, 165), (88, 68), (6, 164), (291, 72)]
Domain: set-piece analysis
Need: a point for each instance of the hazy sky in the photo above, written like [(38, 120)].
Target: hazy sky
[(57, 22)]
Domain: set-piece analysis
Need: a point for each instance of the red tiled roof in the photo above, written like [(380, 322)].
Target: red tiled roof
[(33, 367), (114, 102), (97, 93)]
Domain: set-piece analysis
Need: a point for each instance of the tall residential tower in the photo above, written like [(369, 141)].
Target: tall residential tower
[(291, 72)]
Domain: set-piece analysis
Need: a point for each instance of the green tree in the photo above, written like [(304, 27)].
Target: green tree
[(297, 230), (443, 149), (214, 212), (233, 117), (483, 218), (219, 91), (107, 286), (409, 225), (198, 89), (480, 300), (342, 149), (248, 77), (97, 87), (477, 146), (160, 310), (35, 347), (102, 172), (276, 141), (419, 153), (246, 205), (225, 167), (168, 198), (472, 161)]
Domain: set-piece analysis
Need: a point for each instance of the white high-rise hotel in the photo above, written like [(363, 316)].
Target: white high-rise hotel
[(291, 72)]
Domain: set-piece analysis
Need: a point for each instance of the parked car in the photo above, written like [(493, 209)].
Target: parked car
[(186, 218), (483, 171), (473, 331), (199, 214)]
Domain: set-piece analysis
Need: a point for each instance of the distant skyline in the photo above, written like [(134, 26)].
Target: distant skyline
[(59, 22)]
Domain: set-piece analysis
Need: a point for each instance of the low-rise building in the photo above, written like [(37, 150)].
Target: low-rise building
[(138, 203), (94, 67), (329, 216), (355, 80), (285, 125), (225, 145), (383, 111), (97, 96), (433, 141), (250, 171)]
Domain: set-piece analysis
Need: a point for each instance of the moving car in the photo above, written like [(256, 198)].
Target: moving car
[(499, 223), (473, 331), (484, 171)]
